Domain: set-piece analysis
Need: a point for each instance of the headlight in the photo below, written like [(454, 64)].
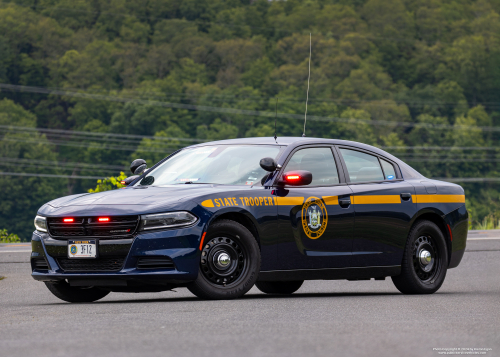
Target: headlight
[(41, 223), (167, 220)]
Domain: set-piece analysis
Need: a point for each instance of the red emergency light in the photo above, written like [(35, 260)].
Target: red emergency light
[(68, 220), (103, 219)]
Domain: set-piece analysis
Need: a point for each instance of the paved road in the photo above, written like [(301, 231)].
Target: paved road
[(325, 318)]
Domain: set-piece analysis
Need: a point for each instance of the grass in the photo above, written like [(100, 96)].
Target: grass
[(489, 222)]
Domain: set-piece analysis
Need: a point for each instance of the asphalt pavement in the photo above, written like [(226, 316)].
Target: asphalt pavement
[(324, 318)]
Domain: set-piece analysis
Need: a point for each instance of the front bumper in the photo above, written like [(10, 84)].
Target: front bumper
[(181, 245)]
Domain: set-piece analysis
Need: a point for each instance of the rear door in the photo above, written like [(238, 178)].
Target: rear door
[(383, 207), (315, 221)]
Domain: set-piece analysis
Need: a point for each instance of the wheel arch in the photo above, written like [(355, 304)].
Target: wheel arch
[(436, 217), (242, 217)]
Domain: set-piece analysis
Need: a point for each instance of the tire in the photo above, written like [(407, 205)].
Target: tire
[(220, 278), (423, 275), (279, 287), (69, 293)]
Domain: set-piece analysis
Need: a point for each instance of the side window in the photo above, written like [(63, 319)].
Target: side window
[(362, 167), (388, 168), (319, 161)]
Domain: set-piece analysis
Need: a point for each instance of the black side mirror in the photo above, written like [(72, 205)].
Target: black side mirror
[(129, 180), (138, 166), (297, 178), (268, 164)]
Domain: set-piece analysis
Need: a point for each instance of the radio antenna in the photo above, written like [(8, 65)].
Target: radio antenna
[(308, 79), (275, 137)]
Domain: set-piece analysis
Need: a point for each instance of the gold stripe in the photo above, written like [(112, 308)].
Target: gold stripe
[(375, 199), (331, 200), (439, 198), (290, 201), (208, 203)]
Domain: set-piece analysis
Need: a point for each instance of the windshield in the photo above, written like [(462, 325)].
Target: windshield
[(223, 164)]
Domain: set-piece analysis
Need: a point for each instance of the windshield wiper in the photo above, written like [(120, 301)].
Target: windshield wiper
[(191, 182)]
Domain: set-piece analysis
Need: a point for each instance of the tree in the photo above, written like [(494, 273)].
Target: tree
[(218, 130), (25, 150), (421, 74), (165, 142)]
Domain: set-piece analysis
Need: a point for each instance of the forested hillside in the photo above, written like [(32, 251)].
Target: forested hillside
[(88, 85)]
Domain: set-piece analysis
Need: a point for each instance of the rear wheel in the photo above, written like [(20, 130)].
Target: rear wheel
[(68, 293), (279, 287), (425, 260), (229, 262)]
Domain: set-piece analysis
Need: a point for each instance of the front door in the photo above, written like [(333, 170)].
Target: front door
[(315, 221), (383, 207)]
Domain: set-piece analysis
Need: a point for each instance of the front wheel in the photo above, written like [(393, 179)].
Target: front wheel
[(229, 262), (279, 287), (68, 293), (425, 260)]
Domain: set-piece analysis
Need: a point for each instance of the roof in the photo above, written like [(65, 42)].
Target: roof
[(295, 141), (290, 140)]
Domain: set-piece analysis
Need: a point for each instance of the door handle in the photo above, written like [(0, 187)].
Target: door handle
[(406, 196), (344, 202)]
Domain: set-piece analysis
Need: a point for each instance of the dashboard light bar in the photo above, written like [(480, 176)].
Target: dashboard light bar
[(103, 219), (68, 220)]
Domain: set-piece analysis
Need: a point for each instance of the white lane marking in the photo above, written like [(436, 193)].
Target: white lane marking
[(485, 238), (15, 251)]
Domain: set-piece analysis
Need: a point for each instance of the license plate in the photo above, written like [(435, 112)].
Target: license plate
[(82, 249)]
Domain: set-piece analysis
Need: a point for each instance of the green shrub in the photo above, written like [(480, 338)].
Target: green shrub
[(6, 237), (109, 183)]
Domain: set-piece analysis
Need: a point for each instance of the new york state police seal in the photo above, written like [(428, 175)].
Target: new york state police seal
[(314, 217)]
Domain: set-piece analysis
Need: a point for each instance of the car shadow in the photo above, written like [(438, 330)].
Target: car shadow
[(255, 297)]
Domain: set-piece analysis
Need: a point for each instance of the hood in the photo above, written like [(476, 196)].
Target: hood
[(132, 200), (129, 196)]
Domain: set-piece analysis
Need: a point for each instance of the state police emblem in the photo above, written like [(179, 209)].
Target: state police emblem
[(314, 217), (73, 249)]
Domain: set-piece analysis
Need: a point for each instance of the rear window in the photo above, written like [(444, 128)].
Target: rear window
[(409, 172)]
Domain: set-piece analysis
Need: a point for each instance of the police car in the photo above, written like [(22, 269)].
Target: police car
[(221, 217)]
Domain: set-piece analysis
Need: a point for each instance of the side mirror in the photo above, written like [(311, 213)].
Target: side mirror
[(297, 178), (128, 180), (138, 166), (268, 164)]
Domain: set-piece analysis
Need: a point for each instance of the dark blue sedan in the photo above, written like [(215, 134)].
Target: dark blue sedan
[(223, 216)]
